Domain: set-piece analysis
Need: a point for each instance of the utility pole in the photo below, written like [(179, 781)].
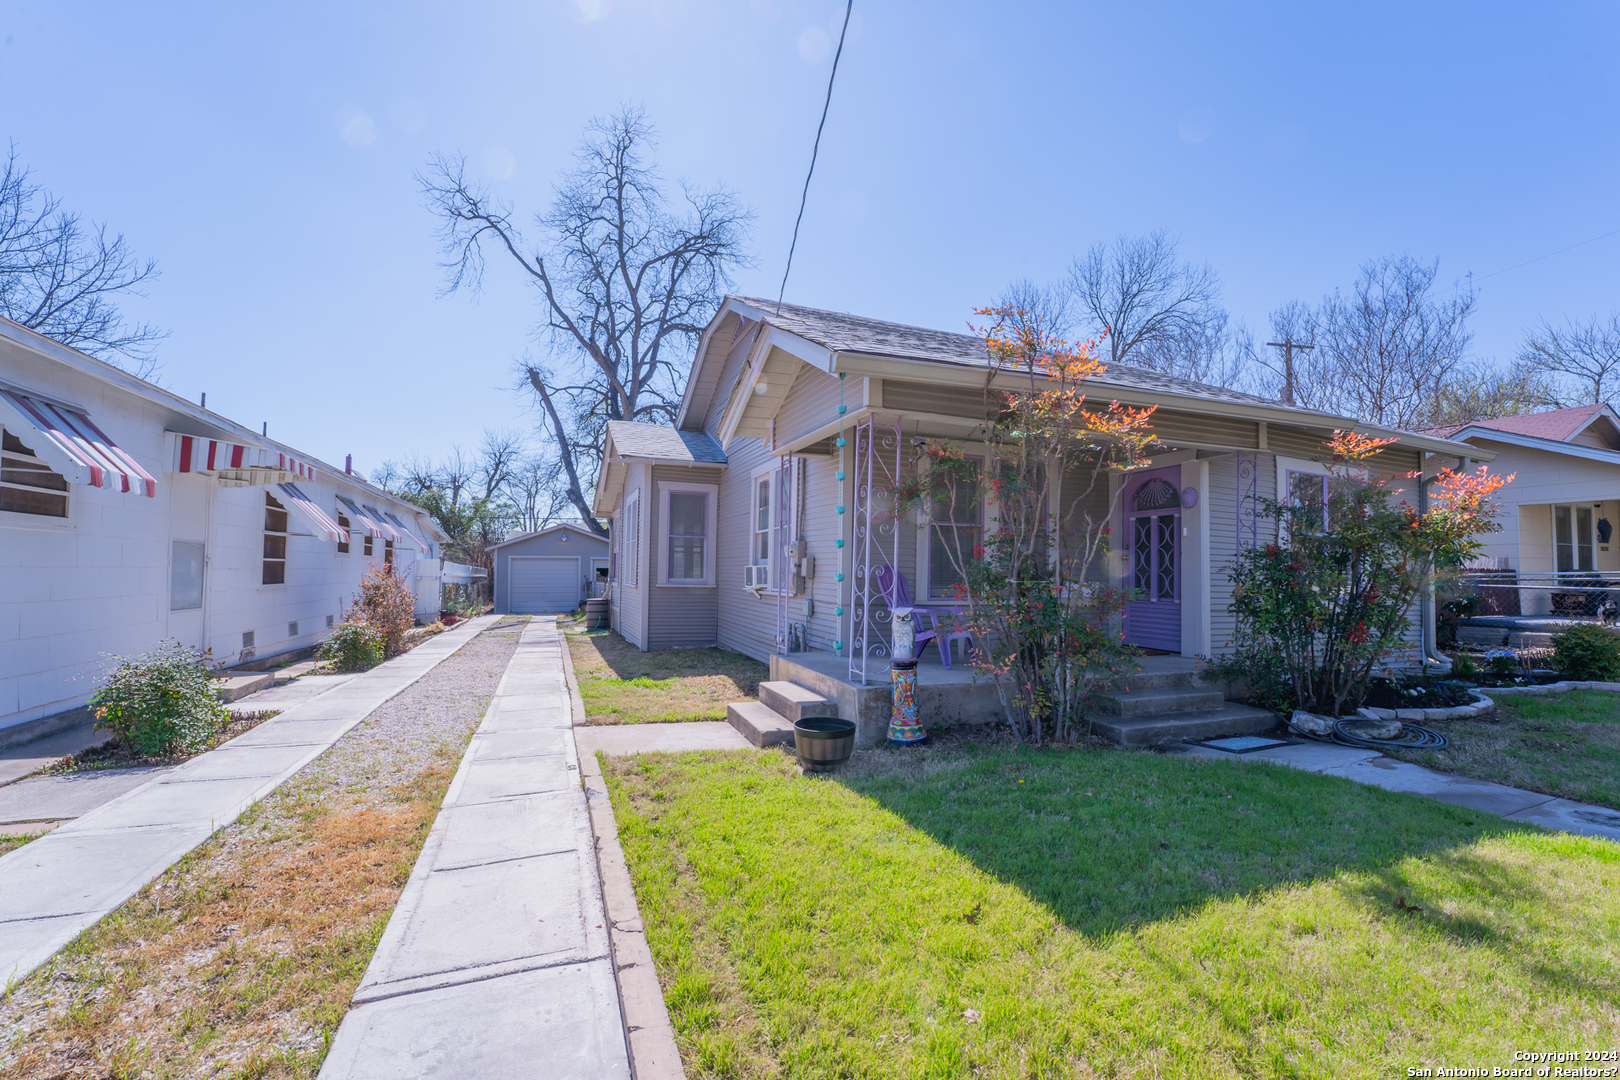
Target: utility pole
[(1288, 345)]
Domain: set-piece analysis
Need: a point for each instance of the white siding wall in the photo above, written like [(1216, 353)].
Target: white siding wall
[(75, 592)]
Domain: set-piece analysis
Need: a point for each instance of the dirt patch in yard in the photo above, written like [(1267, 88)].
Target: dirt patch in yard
[(241, 960), (620, 684)]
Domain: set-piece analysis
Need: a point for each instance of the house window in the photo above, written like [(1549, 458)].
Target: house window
[(185, 576), (1572, 538), (956, 529), (762, 521), (388, 553), (632, 541), (367, 550), (275, 542), (27, 485), (343, 545), (1309, 492), (688, 536)]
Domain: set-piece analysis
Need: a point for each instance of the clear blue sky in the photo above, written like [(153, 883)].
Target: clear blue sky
[(264, 155)]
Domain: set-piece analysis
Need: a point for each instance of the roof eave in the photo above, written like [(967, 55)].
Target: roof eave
[(960, 374)]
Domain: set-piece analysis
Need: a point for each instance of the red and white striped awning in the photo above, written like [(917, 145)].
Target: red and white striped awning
[(314, 514), (370, 519), (67, 441), (414, 540), (235, 464)]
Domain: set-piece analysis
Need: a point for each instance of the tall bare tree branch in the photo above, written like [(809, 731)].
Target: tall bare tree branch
[(625, 285), (62, 276), (1584, 356)]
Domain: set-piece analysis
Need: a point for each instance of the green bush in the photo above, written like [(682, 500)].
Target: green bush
[(162, 702), (1587, 651), (354, 645)]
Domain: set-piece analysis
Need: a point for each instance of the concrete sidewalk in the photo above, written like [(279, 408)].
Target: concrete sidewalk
[(1371, 767), (495, 962), (54, 888)]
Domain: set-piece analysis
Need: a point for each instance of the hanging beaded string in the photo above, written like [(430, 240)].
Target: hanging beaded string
[(838, 646)]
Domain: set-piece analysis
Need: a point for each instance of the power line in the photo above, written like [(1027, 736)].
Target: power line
[(805, 195), (1550, 254)]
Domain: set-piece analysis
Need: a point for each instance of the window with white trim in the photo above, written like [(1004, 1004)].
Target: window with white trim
[(27, 484), (1572, 539), (760, 554), (632, 541), (686, 533), (688, 536), (343, 545)]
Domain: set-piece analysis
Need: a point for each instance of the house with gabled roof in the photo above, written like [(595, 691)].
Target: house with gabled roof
[(1557, 553), (762, 519)]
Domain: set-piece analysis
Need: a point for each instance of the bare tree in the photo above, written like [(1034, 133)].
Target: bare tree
[(1585, 356), (1157, 311), (1487, 392), (535, 492), (625, 285), (61, 276), (1384, 350)]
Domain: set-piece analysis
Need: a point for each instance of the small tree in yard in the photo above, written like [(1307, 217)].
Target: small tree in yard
[(1322, 609), (386, 605), (1044, 634)]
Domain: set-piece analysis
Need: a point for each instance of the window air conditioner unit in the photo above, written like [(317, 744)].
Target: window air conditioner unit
[(756, 577)]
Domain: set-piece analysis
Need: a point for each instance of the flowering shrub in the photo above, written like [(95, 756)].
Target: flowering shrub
[(386, 605), (162, 702), (1043, 633), (354, 645), (1328, 604)]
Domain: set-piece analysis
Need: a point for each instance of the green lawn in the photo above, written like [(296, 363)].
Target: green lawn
[(982, 912), (620, 684), (1563, 744)]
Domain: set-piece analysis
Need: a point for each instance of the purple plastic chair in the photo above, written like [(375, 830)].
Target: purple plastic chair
[(891, 584)]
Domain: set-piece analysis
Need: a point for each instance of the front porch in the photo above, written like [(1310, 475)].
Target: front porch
[(1164, 701)]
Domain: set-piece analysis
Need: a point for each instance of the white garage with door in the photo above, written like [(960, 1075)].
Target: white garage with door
[(550, 571)]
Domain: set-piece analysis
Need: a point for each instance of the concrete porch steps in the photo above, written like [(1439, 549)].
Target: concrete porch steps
[(759, 723), (1170, 699), (1156, 729), (769, 721)]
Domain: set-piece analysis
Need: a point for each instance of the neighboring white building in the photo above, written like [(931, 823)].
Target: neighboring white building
[(129, 516), (1560, 513)]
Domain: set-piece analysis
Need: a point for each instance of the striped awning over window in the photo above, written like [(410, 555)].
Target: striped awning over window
[(411, 538), (235, 464), (370, 519), (67, 441), (318, 518)]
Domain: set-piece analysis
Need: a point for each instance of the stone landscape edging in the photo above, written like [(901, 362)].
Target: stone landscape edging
[(1557, 687), (1482, 706), (648, 1033)]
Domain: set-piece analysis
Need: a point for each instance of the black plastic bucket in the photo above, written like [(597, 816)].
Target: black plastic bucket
[(823, 742)]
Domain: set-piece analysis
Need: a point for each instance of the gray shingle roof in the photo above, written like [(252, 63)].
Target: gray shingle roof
[(842, 332), (660, 443)]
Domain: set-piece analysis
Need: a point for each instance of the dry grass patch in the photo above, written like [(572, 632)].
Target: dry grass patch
[(620, 684), (241, 960)]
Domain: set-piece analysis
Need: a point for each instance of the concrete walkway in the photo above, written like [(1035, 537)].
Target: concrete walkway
[(18, 761), (616, 740), (56, 887), (1371, 767), (495, 962)]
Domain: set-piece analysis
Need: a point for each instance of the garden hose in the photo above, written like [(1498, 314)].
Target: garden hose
[(1413, 737)]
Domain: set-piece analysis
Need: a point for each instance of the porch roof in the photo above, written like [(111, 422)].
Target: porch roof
[(840, 343)]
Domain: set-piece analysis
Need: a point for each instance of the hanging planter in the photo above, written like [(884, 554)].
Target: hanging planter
[(823, 742)]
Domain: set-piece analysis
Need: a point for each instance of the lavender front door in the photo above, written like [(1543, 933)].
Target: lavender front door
[(1153, 560)]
